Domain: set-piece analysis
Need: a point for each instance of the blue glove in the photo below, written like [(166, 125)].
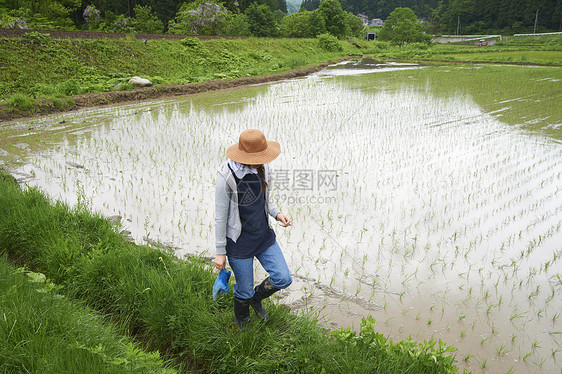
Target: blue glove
[(221, 284)]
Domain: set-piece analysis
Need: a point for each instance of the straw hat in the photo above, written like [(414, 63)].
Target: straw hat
[(253, 149)]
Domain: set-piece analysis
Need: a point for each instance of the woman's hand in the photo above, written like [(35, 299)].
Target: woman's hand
[(220, 261), (285, 221)]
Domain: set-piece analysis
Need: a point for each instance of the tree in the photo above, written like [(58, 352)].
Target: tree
[(401, 28), (310, 5), (282, 6), (303, 24), (316, 22), (502, 16), (200, 18), (238, 25), (262, 20), (334, 17), (92, 17), (354, 25), (145, 21)]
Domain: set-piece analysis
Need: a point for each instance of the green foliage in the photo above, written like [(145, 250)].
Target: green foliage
[(354, 25), (68, 67), (369, 342), (329, 43), (477, 16), (145, 20), (329, 17), (39, 15), (121, 23), (194, 43), (200, 17), (92, 16), (14, 19), (402, 28), (310, 5), (334, 18), (317, 24), (70, 87), (261, 20), (37, 37), (494, 17), (42, 331), (303, 24), (238, 25), (20, 101), (168, 302)]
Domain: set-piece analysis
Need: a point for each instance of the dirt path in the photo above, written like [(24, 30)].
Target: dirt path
[(58, 34)]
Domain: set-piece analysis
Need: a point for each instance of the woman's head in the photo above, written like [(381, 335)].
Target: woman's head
[(253, 149)]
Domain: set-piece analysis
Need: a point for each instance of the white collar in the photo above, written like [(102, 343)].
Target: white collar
[(240, 170)]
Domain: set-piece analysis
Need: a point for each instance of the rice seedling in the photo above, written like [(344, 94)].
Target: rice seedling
[(535, 344), (450, 207)]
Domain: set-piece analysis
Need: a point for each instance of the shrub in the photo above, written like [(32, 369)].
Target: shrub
[(237, 25), (418, 45), (145, 21), (37, 37), (329, 43), (69, 87), (20, 101), (191, 42), (42, 90), (200, 17)]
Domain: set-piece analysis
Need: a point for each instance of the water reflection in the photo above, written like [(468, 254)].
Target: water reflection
[(366, 66), (420, 209)]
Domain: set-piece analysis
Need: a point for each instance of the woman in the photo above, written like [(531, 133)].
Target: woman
[(242, 226)]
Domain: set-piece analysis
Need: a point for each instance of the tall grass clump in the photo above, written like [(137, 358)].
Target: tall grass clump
[(329, 43), (167, 303), (41, 331), (19, 101)]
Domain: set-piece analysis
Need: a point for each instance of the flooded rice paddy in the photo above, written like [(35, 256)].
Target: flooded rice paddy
[(416, 196)]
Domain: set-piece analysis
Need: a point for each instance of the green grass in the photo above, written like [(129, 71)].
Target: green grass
[(32, 69), (20, 101), (70, 67), (546, 50), (526, 56), (167, 303), (41, 331)]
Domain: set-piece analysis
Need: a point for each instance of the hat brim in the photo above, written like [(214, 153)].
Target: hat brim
[(256, 158)]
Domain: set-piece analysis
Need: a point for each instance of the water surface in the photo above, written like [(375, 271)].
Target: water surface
[(416, 194)]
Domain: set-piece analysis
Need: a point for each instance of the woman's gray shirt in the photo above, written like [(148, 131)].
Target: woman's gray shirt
[(227, 217)]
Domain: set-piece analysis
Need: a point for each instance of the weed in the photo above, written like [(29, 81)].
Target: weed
[(329, 43), (20, 101)]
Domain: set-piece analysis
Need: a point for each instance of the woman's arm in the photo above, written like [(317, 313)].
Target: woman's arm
[(222, 203)]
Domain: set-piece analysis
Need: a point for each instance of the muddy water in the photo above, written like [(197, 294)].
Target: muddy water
[(420, 208)]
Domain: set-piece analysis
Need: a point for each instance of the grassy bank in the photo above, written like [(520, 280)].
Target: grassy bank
[(37, 68), (167, 303), (39, 74), (41, 331)]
